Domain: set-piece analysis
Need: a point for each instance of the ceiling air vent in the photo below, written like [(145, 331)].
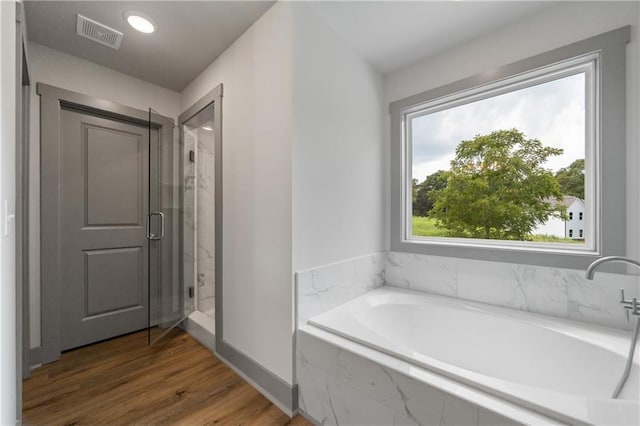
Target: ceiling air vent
[(97, 32)]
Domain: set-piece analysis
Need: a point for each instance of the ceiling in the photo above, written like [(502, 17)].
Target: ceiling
[(394, 34), (190, 36)]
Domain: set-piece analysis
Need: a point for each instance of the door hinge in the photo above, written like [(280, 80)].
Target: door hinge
[(190, 292), (192, 156)]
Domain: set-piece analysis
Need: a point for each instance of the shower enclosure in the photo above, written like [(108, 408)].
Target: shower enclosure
[(181, 221), (198, 143), (169, 296)]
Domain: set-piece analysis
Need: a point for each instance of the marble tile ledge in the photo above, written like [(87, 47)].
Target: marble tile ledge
[(563, 293)]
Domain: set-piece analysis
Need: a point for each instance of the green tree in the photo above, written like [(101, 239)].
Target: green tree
[(497, 188), (423, 201), (414, 191), (571, 179)]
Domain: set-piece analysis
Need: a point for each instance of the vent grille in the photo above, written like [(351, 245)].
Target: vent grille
[(97, 32)]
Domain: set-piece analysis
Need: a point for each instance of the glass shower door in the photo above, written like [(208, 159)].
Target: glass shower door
[(197, 134), (170, 301)]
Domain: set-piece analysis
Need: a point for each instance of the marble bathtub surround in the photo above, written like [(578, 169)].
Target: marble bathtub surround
[(564, 293), (326, 287), (341, 382)]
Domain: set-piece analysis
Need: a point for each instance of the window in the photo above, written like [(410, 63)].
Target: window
[(497, 164), (570, 233), (504, 162)]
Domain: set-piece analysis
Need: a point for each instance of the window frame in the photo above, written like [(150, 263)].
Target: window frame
[(606, 197), (587, 65)]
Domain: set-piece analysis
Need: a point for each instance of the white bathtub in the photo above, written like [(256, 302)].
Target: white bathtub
[(564, 369)]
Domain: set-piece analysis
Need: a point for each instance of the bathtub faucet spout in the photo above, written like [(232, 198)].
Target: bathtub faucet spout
[(592, 268), (629, 306)]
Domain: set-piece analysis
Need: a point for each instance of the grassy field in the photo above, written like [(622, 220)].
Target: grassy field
[(426, 227)]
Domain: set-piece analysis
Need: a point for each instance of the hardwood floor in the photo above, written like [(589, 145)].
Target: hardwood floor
[(123, 382)]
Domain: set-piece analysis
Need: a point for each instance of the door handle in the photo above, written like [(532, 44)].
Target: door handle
[(151, 236), (161, 225)]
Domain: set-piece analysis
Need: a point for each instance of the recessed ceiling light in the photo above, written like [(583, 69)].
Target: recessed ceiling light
[(140, 22)]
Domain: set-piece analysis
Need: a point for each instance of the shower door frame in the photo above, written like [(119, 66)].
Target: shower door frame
[(213, 97)]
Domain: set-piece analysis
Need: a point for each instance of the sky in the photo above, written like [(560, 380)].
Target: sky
[(552, 112)]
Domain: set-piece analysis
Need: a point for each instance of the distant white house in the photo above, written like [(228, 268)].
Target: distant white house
[(573, 227)]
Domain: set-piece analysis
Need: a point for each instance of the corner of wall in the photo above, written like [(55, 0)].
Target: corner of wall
[(257, 131), (339, 150)]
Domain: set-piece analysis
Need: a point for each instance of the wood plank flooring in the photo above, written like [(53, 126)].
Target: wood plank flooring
[(125, 382)]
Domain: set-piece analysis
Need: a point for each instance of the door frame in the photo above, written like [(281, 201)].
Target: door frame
[(52, 101), (23, 82), (213, 97)]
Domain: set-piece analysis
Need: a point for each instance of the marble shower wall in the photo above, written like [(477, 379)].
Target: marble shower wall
[(205, 206), (325, 287), (189, 256), (563, 293)]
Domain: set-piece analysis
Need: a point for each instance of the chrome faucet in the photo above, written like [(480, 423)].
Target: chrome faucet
[(629, 306), (592, 268)]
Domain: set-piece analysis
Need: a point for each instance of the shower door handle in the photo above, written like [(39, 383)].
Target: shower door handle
[(151, 236)]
